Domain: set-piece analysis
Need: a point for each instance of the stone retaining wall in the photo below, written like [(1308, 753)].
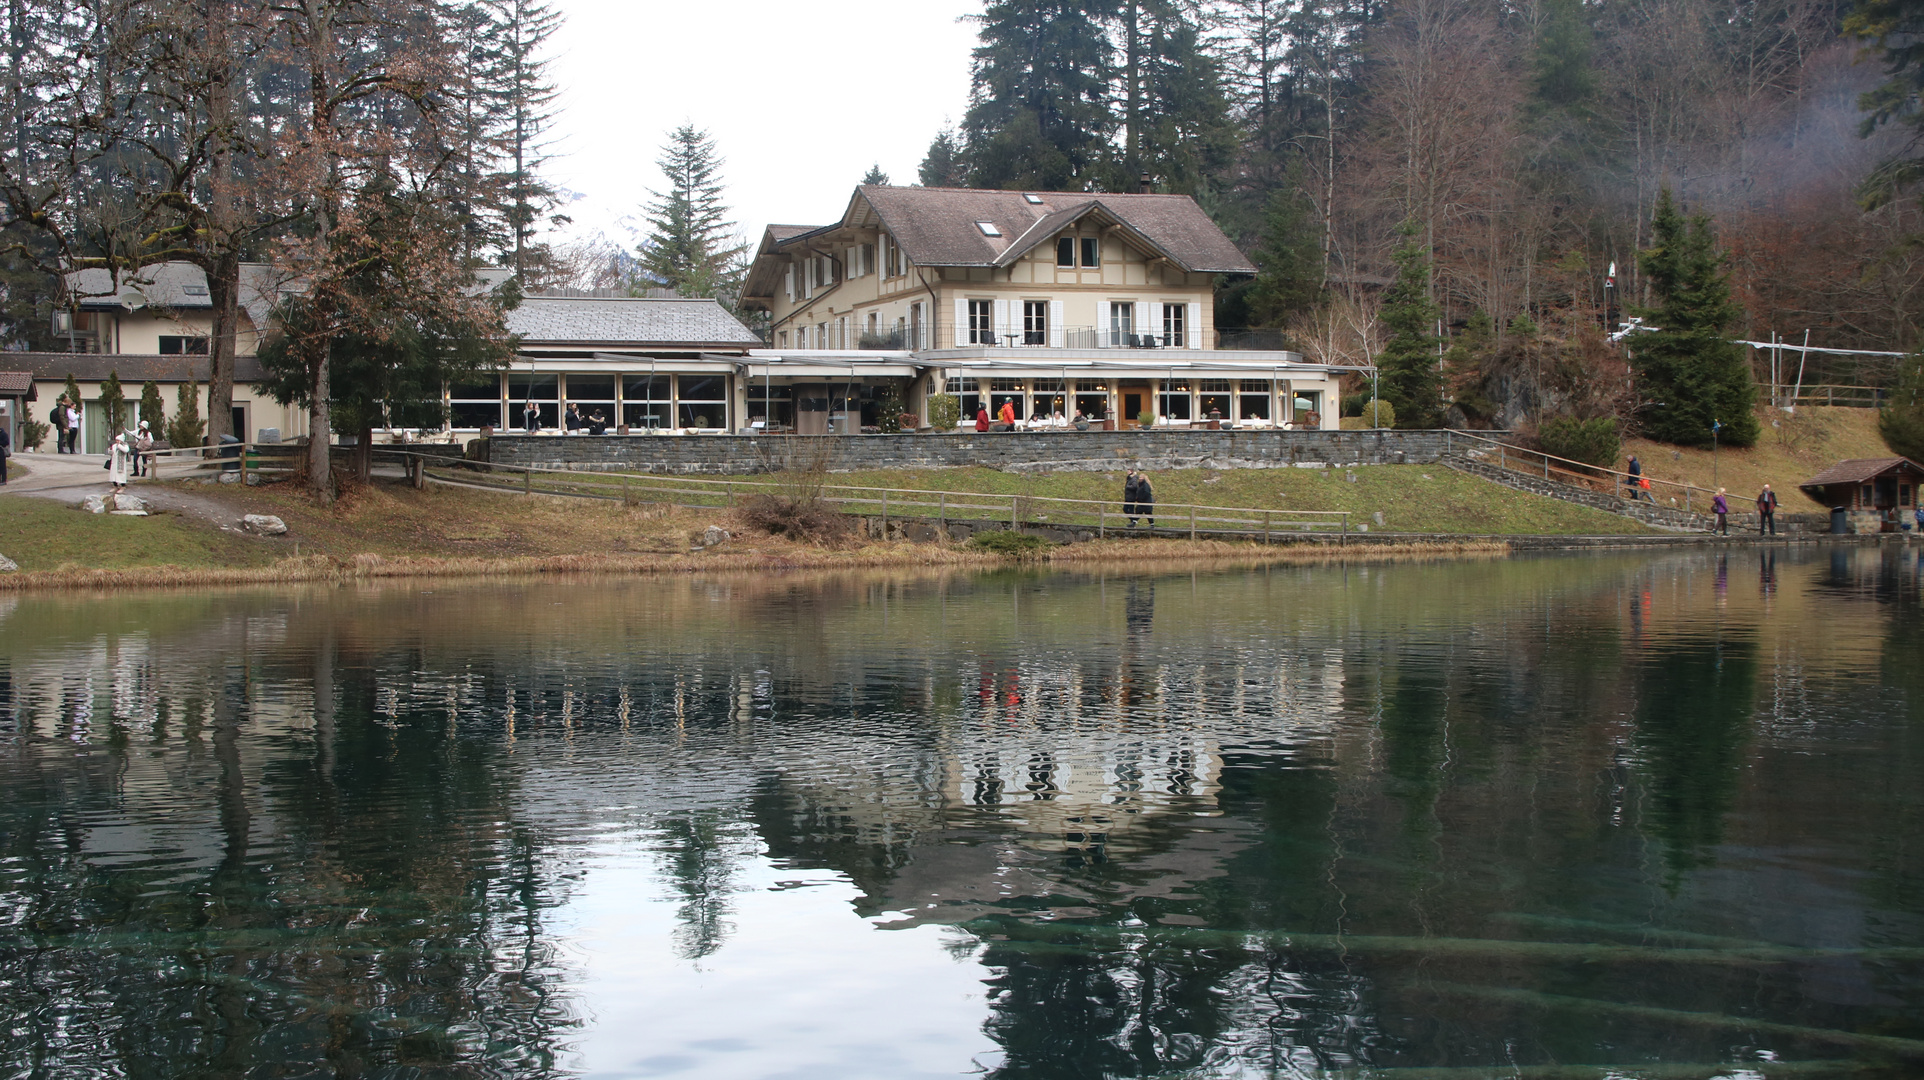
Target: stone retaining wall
[(1096, 451)]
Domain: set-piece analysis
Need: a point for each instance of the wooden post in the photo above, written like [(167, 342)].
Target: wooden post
[(243, 464), (885, 513), (1013, 523), (527, 480), (624, 490), (1102, 520), (942, 514), (1502, 456), (1266, 515), (1192, 523)]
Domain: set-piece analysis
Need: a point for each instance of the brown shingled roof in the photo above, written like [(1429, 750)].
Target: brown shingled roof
[(938, 226), (15, 382), (1856, 471)]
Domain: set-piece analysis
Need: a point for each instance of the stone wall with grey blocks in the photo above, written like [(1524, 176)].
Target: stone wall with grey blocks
[(1105, 451)]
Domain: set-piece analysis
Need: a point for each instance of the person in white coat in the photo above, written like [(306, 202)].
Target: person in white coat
[(120, 461)]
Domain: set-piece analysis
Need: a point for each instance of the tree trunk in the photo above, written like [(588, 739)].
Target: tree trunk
[(320, 469), (223, 288)]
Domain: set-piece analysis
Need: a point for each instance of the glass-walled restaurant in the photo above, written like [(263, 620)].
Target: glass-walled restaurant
[(1243, 402), (661, 401)]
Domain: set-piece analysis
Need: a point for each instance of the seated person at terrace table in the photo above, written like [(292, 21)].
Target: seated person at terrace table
[(597, 423)]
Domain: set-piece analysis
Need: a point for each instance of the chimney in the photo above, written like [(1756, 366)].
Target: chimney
[(1146, 185)]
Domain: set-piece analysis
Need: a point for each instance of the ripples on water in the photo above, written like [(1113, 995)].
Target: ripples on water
[(1654, 813)]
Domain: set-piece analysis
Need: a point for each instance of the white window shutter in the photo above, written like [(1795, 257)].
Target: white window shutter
[(1192, 327), (1152, 320), (961, 322), (788, 282), (1001, 320), (1055, 324)]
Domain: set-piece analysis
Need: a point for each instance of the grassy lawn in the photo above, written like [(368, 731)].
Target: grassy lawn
[(1411, 498), (42, 534), (1791, 450)]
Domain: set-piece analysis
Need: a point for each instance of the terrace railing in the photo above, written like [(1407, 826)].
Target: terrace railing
[(1686, 497)]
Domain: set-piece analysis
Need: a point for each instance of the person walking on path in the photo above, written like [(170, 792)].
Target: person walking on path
[(1635, 470), (1721, 507), (1131, 487), (120, 459), (1146, 498), (1766, 512), (981, 419)]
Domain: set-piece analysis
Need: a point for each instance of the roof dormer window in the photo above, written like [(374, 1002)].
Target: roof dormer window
[(1031, 198), (988, 228)]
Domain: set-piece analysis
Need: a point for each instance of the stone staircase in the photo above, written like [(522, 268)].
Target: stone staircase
[(1662, 517)]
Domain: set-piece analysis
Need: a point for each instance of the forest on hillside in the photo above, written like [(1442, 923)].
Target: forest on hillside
[(1520, 148)]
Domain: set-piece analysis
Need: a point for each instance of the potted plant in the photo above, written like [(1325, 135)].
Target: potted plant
[(1145, 419)]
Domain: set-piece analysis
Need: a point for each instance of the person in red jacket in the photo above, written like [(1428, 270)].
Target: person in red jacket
[(982, 419)]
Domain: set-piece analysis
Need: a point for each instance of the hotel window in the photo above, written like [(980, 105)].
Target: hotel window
[(1091, 251), (1092, 398), (1215, 397), (543, 390), (702, 401), (821, 335), (476, 404), (1066, 251), (981, 322), (1122, 324), (1172, 325), (646, 400), (969, 392), (1253, 402), (183, 346), (781, 339), (1172, 399), (1035, 322)]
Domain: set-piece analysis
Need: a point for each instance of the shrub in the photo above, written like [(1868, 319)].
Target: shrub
[(1593, 442), (32, 434), (1379, 415), (151, 409), (945, 411), (1146, 418), (1014, 545), (796, 518), (113, 405), (1901, 420)]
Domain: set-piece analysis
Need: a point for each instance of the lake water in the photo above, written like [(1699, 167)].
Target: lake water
[(1663, 813)]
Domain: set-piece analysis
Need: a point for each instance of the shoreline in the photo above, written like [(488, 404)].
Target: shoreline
[(320, 569)]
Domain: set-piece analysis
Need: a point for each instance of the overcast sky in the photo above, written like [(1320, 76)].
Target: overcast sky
[(800, 96)]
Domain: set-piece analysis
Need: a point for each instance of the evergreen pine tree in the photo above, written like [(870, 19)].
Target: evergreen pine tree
[(151, 409), (1176, 126), (875, 175), (1040, 115), (113, 405), (1901, 420), (185, 428), (1410, 378), (524, 95), (1290, 281), (688, 248), (1689, 374), (944, 164)]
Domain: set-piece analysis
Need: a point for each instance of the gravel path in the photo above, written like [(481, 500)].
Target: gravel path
[(70, 478)]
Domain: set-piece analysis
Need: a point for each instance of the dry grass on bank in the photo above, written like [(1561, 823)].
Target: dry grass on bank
[(1792, 449)]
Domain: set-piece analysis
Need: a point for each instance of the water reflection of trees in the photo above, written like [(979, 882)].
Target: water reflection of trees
[(1170, 813)]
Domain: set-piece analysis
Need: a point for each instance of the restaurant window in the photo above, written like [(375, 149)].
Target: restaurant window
[(1304, 403), (703, 401), (1253, 402), (1035, 322), (1050, 397), (969, 393), (182, 346), (1092, 398), (1172, 399), (1173, 318), (1012, 391), (1215, 399), (645, 400), (595, 396), (1091, 251), (543, 390), (476, 404), (771, 403), (981, 322)]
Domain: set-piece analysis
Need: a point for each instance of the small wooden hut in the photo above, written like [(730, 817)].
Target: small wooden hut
[(1874, 491)]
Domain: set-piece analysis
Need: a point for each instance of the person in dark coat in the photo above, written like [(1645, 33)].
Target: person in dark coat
[(1131, 487), (1766, 512), (1146, 498), (1636, 471), (575, 422), (6, 446), (531, 417)]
